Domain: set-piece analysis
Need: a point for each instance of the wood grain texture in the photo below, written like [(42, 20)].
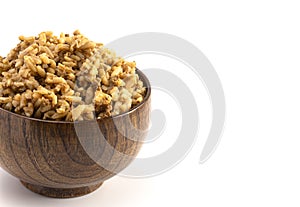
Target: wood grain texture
[(61, 192), (67, 159)]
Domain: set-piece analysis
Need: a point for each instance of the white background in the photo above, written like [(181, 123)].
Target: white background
[(254, 47)]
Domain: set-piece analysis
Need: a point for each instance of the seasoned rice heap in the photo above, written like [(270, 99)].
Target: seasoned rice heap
[(67, 78)]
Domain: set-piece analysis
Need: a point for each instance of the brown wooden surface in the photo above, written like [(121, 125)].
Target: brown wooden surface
[(51, 157), (61, 192)]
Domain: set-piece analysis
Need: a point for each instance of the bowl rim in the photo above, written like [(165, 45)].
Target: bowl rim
[(142, 77)]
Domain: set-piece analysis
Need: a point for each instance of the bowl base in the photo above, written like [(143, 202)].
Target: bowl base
[(61, 192)]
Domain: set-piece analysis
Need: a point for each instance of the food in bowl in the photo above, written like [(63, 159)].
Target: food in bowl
[(67, 78)]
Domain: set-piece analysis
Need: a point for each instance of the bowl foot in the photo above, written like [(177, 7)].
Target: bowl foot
[(61, 192)]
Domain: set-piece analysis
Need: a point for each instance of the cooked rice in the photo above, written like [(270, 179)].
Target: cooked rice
[(67, 78)]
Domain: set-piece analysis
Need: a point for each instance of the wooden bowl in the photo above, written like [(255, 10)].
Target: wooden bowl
[(69, 159)]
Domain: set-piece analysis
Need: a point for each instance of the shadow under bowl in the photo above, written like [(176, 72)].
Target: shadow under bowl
[(70, 159)]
